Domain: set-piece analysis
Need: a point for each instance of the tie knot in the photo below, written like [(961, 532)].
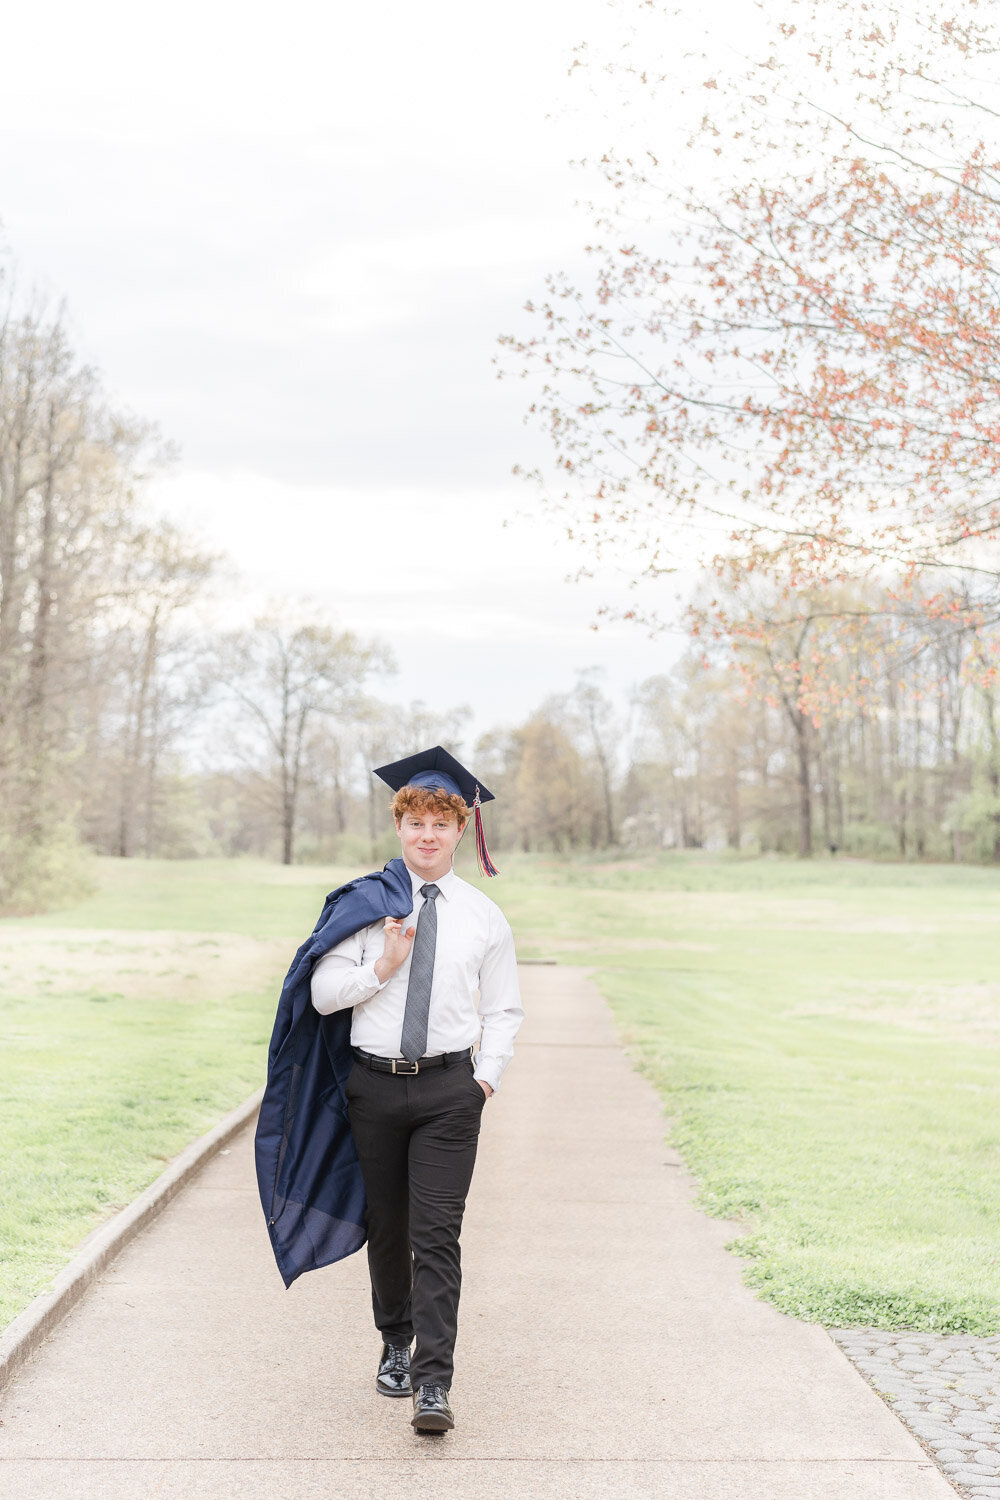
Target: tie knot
[(429, 892)]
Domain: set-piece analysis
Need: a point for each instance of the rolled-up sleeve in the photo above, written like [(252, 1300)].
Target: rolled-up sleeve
[(499, 1003), (342, 979)]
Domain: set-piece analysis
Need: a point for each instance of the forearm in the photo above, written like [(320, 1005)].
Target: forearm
[(496, 1047), (499, 1007), (340, 984), (383, 969), (343, 979)]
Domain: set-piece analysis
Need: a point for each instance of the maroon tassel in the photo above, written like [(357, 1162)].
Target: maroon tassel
[(486, 865)]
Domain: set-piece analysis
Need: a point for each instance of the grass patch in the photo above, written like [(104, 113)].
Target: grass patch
[(99, 1093), (129, 1023), (201, 895), (826, 1041)]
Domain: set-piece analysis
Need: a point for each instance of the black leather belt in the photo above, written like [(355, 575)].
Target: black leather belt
[(405, 1069)]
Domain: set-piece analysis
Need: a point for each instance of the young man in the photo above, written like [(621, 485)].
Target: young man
[(416, 1092)]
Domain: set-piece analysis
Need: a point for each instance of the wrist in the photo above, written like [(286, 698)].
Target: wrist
[(384, 970)]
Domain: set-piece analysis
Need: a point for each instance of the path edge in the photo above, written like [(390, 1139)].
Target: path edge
[(22, 1337)]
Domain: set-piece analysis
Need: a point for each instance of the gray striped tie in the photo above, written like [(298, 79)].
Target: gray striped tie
[(413, 1042)]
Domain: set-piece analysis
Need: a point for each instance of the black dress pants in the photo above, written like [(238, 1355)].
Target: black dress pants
[(416, 1136)]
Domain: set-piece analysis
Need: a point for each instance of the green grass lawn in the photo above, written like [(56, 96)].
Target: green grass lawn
[(825, 1037), (826, 1040), (128, 1025)]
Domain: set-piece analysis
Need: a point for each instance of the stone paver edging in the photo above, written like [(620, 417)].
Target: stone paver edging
[(20, 1339), (946, 1388)]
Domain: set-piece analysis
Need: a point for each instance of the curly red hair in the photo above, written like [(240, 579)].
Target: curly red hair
[(421, 799)]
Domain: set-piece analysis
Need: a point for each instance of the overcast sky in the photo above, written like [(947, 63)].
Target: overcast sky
[(291, 235)]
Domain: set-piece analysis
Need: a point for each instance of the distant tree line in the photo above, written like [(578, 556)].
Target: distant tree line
[(712, 754), (132, 725), (717, 754)]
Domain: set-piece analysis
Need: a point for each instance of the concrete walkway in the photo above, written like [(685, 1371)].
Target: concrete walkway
[(607, 1346)]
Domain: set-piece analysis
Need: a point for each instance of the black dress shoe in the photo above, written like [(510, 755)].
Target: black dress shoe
[(393, 1378), (431, 1412)]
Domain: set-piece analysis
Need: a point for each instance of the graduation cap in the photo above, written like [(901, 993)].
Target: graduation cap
[(435, 768)]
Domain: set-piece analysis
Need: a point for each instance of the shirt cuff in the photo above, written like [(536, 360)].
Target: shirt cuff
[(367, 977), (487, 1071)]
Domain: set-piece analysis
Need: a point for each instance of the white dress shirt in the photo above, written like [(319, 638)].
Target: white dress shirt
[(474, 952)]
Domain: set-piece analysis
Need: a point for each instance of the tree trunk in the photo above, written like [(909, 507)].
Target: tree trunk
[(836, 771), (36, 704), (609, 816), (339, 804), (734, 828), (805, 789), (135, 752), (152, 766), (993, 771)]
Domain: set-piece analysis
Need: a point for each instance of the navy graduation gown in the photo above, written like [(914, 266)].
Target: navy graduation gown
[(307, 1168)]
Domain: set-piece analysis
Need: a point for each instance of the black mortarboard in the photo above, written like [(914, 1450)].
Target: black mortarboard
[(436, 768)]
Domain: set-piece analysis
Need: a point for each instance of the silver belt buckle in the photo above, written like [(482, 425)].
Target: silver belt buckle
[(405, 1071)]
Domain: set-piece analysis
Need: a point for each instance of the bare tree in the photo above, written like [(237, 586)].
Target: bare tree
[(70, 469), (162, 574), (284, 675), (598, 718)]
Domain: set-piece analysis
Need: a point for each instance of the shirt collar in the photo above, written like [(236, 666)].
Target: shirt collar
[(444, 883)]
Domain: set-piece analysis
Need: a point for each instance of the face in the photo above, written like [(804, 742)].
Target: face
[(429, 841)]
